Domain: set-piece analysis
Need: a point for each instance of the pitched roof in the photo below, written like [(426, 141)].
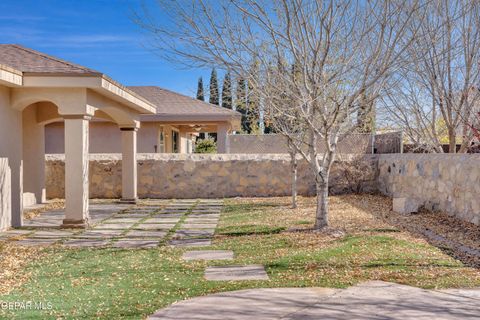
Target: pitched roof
[(30, 61), (172, 103)]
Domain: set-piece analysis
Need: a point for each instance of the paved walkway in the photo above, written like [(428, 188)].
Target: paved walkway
[(369, 300), (180, 223)]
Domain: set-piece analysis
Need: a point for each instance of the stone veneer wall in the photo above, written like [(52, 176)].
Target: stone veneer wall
[(446, 182), (5, 194), (209, 176)]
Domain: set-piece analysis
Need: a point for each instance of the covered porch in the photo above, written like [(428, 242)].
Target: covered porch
[(28, 102)]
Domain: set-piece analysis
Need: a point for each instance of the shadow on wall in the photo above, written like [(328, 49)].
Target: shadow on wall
[(5, 194)]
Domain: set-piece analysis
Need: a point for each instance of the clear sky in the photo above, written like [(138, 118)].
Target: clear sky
[(98, 34)]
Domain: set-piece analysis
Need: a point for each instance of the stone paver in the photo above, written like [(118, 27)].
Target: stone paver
[(199, 225), (114, 226), (186, 233), (99, 234), (128, 226), (208, 255), (154, 226), (183, 243), (86, 243), (123, 219), (135, 243), (234, 273), (369, 300), (58, 234), (204, 215), (145, 234), (133, 215), (168, 215), (34, 242), (162, 220)]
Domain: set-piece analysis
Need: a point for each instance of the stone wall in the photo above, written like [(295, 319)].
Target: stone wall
[(211, 176), (446, 182), (277, 144), (5, 194)]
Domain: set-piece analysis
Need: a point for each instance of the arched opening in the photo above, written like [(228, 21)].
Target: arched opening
[(34, 117)]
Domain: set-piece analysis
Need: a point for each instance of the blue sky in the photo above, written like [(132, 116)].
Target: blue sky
[(98, 34)]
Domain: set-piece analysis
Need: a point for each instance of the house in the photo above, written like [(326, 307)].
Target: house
[(36, 90), (172, 129)]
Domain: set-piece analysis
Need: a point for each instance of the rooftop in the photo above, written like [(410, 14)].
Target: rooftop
[(172, 103), (30, 61)]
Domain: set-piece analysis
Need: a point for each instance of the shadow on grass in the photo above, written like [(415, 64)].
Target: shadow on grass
[(246, 230)]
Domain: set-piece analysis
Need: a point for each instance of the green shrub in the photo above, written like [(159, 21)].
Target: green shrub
[(206, 146)]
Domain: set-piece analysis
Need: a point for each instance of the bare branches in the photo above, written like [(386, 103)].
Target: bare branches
[(316, 60)]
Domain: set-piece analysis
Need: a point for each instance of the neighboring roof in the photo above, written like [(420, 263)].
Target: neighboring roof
[(31, 61), (177, 105)]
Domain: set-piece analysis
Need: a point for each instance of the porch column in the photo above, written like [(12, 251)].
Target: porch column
[(129, 165), (76, 171), (222, 142)]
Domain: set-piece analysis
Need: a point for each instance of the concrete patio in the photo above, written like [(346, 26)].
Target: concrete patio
[(369, 300)]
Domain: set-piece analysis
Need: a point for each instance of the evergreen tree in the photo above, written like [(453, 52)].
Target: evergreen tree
[(241, 103), (227, 92), (253, 100), (200, 94), (214, 97)]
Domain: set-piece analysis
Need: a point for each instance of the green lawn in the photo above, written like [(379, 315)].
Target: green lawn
[(114, 283)]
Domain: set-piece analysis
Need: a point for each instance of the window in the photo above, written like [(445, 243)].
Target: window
[(174, 141), (161, 141)]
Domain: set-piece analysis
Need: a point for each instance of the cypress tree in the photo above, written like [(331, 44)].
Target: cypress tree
[(227, 92), (253, 100), (200, 94), (214, 98), (241, 103)]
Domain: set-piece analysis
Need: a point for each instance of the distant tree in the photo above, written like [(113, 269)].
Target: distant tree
[(200, 94), (227, 92), (253, 99), (214, 98), (207, 145), (366, 114), (241, 103)]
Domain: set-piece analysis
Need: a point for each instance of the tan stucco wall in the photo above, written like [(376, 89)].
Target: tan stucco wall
[(446, 182), (105, 137), (33, 158), (202, 176), (5, 194), (11, 148)]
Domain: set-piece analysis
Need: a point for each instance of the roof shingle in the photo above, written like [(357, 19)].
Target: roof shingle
[(31, 61), (172, 103)]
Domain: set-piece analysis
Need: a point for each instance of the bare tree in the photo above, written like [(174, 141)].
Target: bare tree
[(438, 86), (341, 48)]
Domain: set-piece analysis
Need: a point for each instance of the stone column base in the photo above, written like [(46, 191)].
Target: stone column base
[(128, 201), (77, 224)]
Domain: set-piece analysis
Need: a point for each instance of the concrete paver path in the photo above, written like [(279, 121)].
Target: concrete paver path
[(369, 300)]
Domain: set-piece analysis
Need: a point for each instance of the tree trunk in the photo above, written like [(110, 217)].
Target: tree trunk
[(294, 164), (452, 144), (321, 220)]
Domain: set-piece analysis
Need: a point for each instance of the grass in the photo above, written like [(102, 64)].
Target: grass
[(131, 284)]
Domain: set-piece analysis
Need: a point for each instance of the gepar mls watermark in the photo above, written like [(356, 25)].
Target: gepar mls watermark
[(26, 305)]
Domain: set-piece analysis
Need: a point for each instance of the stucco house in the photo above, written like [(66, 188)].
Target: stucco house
[(172, 129), (37, 89)]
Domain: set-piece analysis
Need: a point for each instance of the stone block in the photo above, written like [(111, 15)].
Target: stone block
[(406, 205), (236, 273)]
